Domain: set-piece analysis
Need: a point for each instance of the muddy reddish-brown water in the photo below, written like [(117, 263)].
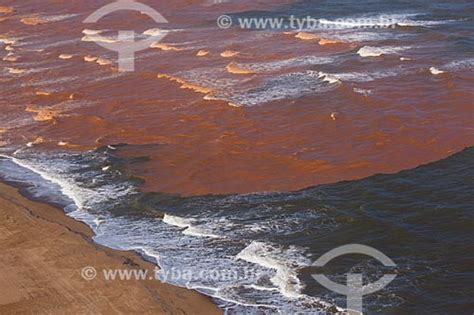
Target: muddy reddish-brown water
[(227, 122)]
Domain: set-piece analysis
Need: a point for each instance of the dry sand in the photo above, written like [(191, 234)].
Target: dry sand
[(43, 254)]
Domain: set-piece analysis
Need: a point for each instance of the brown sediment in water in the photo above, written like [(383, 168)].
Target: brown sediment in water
[(327, 41), (185, 84), (198, 145), (98, 38), (307, 36), (44, 113), (104, 62), (16, 70), (10, 58), (90, 58), (42, 93), (65, 56), (194, 146), (229, 53), (238, 69), (44, 253), (203, 53), (210, 147), (33, 20), (7, 40), (165, 47), (38, 140), (4, 9), (2, 142)]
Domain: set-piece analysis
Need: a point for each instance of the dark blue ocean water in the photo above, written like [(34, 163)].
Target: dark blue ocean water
[(422, 219)]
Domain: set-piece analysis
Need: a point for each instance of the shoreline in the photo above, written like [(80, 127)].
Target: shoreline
[(44, 253)]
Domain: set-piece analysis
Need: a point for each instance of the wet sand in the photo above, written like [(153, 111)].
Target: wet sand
[(43, 254)]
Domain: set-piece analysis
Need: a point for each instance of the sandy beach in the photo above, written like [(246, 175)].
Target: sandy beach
[(43, 254)]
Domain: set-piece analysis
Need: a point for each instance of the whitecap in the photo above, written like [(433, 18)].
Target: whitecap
[(289, 63), (60, 171), (364, 92), (379, 21), (370, 76), (366, 21), (92, 32), (7, 41), (413, 23), (436, 71), (190, 225), (99, 38), (284, 262), (155, 32), (286, 86), (58, 18), (457, 65), (371, 51)]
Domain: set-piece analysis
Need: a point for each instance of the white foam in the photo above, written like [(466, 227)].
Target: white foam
[(55, 171), (92, 32), (370, 76), (178, 221), (379, 21), (58, 18), (329, 78), (99, 221), (65, 188), (166, 246), (353, 23), (155, 32), (65, 56), (436, 71), (260, 288), (16, 70), (189, 225), (370, 51), (99, 38), (412, 23), (359, 35), (364, 92), (286, 86), (289, 63), (271, 257), (456, 65), (367, 21), (8, 41)]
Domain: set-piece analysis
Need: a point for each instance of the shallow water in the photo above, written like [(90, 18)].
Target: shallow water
[(254, 252)]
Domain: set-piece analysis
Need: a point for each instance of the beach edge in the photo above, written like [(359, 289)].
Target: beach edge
[(44, 252)]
